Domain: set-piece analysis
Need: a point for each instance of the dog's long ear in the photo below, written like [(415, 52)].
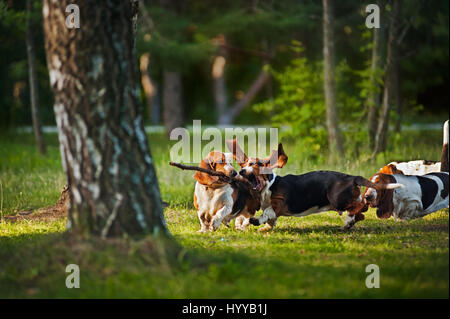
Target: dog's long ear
[(277, 158), (204, 178), (238, 154)]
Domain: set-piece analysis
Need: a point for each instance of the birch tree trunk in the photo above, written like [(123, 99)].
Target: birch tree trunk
[(32, 75), (334, 139), (391, 79), (104, 148)]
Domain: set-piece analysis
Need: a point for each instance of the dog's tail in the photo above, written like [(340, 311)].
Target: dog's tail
[(361, 181), (444, 158)]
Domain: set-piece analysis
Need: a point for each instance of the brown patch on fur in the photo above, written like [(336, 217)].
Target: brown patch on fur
[(278, 203), (390, 169), (215, 161), (195, 201)]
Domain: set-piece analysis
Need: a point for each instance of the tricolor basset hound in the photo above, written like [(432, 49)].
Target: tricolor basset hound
[(217, 201), (300, 195), (420, 191), (419, 196)]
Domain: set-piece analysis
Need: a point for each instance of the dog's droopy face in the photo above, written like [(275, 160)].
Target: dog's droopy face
[(219, 162), (381, 199), (257, 170)]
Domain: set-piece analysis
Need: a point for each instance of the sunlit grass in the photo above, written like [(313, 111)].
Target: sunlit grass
[(306, 257)]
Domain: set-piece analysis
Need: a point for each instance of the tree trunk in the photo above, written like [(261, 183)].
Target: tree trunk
[(391, 79), (373, 100), (334, 139), (32, 75), (220, 92), (104, 148), (149, 88), (172, 100), (229, 116)]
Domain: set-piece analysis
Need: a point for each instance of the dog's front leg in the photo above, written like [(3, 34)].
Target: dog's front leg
[(219, 216), (203, 222), (349, 222), (268, 217)]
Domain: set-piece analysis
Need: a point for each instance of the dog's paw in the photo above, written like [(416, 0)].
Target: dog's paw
[(265, 229), (347, 227)]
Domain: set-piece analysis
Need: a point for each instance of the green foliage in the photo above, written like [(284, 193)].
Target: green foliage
[(300, 105)]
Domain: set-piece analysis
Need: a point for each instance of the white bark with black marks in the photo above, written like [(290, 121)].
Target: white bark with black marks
[(105, 152)]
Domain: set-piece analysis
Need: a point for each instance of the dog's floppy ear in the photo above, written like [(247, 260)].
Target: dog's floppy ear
[(277, 158), (385, 205), (238, 154), (204, 178)]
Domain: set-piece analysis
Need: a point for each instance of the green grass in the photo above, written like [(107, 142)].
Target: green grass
[(306, 257)]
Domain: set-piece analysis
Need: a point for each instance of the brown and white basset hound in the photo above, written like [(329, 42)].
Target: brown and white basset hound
[(425, 187), (300, 195), (217, 201)]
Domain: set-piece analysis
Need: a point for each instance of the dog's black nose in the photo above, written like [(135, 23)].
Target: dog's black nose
[(368, 197), (233, 173), (242, 172)]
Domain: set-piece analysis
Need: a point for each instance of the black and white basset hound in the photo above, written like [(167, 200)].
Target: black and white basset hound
[(419, 196), (301, 195)]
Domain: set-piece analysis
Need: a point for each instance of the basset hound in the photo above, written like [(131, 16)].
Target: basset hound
[(301, 195), (419, 196), (425, 191), (217, 201)]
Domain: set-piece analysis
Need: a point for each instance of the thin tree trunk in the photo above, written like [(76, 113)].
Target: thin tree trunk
[(104, 148), (172, 100), (373, 100), (229, 116), (149, 87), (334, 139), (32, 74), (220, 92), (390, 79)]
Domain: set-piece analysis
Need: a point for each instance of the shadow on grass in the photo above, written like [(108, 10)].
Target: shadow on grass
[(365, 229)]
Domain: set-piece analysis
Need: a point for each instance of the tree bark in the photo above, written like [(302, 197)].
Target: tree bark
[(32, 75), (334, 139), (104, 148), (172, 100), (391, 79)]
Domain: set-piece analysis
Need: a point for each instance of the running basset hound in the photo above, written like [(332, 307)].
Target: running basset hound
[(301, 195), (425, 191), (217, 201), (419, 196)]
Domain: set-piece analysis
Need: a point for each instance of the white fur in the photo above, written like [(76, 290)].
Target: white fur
[(416, 167), (217, 203)]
